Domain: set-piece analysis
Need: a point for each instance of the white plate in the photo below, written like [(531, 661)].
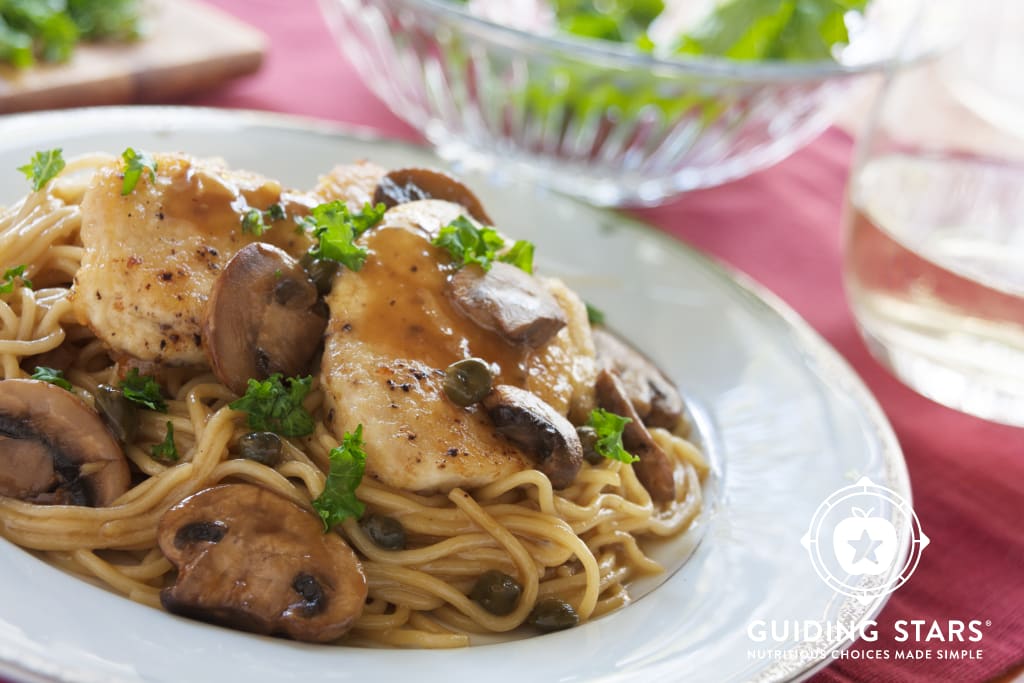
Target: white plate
[(788, 422)]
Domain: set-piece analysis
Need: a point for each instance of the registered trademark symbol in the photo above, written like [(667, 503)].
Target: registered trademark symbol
[(988, 622)]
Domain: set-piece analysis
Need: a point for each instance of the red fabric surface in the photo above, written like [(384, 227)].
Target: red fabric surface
[(780, 226)]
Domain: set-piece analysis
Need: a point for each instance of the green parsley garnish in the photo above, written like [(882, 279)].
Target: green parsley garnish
[(272, 407), (609, 428), (49, 30), (134, 164), (520, 256), (52, 376), (467, 244), (43, 168), (9, 277), (338, 229), (12, 274), (793, 30), (166, 451), (338, 501), (144, 390), (255, 221), (595, 315)]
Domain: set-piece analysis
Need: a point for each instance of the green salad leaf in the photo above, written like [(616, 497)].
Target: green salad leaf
[(49, 30), (787, 30)]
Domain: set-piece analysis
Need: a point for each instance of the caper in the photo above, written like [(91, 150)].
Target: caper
[(496, 592), (120, 414), (552, 614), (321, 271), (588, 439), (262, 447), (467, 381), (387, 532)]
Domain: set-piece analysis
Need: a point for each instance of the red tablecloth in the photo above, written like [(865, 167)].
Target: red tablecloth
[(781, 227)]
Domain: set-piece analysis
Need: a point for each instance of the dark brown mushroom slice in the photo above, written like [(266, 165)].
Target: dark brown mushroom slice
[(507, 301), (538, 429), (55, 449), (250, 559), (404, 185), (653, 469), (262, 318), (655, 398)]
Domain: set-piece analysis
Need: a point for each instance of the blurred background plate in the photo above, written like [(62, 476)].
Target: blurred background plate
[(786, 419)]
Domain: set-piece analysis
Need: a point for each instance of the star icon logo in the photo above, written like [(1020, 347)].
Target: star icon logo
[(864, 547)]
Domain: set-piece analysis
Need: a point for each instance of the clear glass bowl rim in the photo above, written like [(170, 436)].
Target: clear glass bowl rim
[(619, 56)]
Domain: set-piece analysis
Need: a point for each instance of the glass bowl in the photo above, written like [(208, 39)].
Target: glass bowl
[(594, 119)]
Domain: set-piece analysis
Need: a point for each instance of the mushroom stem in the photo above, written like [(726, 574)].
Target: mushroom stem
[(653, 469)]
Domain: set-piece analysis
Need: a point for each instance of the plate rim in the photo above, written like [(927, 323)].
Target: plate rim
[(823, 356)]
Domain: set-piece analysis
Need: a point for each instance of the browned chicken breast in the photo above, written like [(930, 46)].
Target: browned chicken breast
[(151, 256), (396, 325)]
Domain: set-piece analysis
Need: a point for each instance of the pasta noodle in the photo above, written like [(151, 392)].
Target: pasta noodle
[(583, 544)]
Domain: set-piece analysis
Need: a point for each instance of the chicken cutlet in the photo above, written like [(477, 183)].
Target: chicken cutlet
[(394, 330)]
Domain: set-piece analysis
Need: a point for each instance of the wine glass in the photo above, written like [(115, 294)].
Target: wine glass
[(934, 221)]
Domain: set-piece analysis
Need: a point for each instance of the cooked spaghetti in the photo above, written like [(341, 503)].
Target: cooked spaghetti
[(582, 544)]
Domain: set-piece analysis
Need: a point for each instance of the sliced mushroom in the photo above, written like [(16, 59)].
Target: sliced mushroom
[(55, 449), (411, 184), (539, 430), (262, 318), (508, 301), (653, 469), (251, 559), (653, 395)]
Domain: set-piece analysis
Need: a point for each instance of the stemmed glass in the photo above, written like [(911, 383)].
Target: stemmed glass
[(934, 224)]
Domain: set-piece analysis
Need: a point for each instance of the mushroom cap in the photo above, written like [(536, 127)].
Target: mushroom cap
[(507, 301), (653, 469), (46, 435), (251, 559), (261, 318), (653, 395), (411, 184), (539, 430)]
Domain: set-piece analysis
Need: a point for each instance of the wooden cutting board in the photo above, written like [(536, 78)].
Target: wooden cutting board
[(188, 46)]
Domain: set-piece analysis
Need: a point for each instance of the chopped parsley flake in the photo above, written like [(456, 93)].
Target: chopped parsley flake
[(134, 164), (338, 500), (254, 221), (337, 229), (52, 376), (144, 390), (166, 451), (609, 428), (11, 275), (520, 256), (595, 315), (466, 243), (43, 167), (274, 407)]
